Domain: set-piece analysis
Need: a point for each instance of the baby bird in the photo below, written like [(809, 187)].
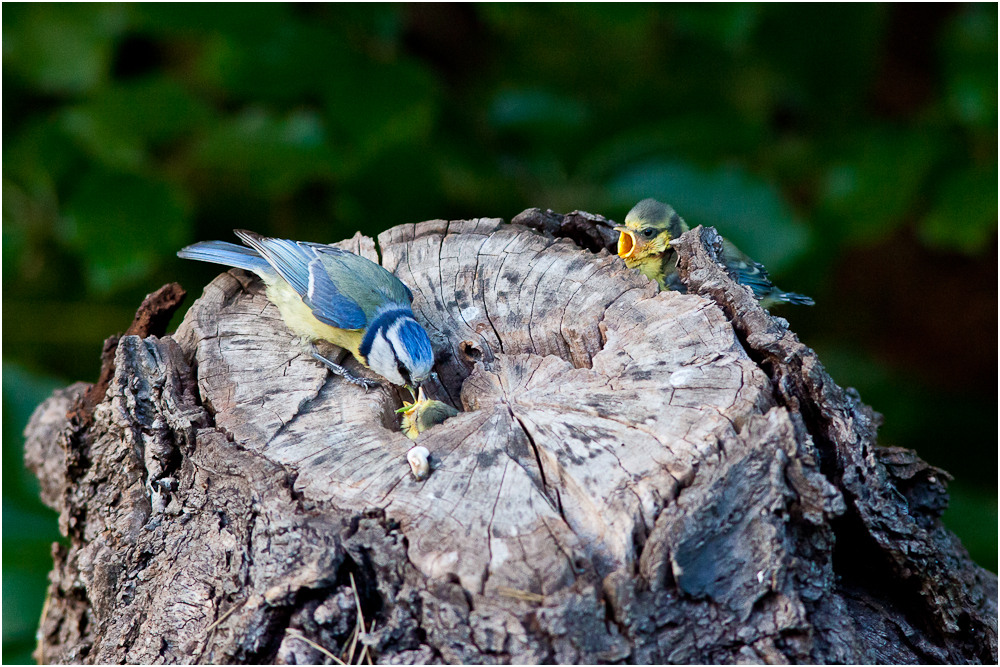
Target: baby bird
[(644, 244), (422, 414)]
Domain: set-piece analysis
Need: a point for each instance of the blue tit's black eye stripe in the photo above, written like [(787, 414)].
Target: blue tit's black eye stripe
[(400, 366), (379, 325), (403, 371)]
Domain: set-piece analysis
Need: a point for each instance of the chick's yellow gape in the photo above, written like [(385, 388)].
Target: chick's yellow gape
[(325, 293)]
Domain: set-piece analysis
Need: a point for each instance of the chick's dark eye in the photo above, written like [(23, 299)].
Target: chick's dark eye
[(648, 232)]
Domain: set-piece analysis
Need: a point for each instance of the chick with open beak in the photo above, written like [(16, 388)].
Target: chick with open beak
[(422, 414), (644, 244), (645, 238)]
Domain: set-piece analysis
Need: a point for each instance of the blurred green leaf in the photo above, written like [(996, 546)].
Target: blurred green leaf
[(19, 652), (746, 209), (596, 60), (40, 157), (710, 135), (972, 515), (399, 186), (123, 223), (376, 28), (122, 123), (26, 533), (374, 107), (188, 20), (616, 21), (22, 216), (537, 110), (964, 214), (970, 58), (283, 62), (22, 603), (264, 152), (730, 25), (46, 322), (876, 181), (822, 55), (61, 48), (27, 541)]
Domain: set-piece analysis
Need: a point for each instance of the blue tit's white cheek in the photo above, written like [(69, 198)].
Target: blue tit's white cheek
[(382, 360), (396, 340), (395, 335)]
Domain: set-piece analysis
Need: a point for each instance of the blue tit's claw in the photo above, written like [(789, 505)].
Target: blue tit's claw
[(337, 369)]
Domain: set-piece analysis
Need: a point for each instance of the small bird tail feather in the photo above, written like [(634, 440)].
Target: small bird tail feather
[(228, 254), (797, 299)]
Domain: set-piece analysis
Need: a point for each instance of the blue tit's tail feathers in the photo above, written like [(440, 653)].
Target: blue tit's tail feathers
[(228, 254), (797, 299)]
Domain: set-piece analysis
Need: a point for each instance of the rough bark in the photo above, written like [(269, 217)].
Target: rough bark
[(634, 477)]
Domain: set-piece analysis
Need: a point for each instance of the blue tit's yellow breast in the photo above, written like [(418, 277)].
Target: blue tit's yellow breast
[(300, 319)]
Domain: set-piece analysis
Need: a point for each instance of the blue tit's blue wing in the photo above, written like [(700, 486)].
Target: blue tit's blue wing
[(753, 274), (746, 271), (289, 259), (388, 285), (342, 289), (366, 283), (328, 304)]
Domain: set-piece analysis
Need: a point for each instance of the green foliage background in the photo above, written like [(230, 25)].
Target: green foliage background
[(851, 148)]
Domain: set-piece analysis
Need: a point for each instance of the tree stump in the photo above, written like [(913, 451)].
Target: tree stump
[(634, 476)]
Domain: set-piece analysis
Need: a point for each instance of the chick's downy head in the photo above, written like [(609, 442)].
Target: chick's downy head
[(649, 227)]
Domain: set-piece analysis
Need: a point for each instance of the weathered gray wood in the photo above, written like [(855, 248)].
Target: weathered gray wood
[(634, 476)]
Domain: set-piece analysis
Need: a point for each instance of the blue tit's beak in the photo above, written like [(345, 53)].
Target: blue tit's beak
[(433, 384), (418, 398)]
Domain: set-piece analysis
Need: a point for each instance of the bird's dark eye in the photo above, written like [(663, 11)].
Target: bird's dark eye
[(403, 373), (648, 232)]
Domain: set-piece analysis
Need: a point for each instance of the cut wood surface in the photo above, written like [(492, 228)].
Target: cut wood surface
[(634, 476)]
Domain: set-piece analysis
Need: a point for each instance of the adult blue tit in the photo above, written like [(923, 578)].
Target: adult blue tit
[(644, 244), (325, 293)]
